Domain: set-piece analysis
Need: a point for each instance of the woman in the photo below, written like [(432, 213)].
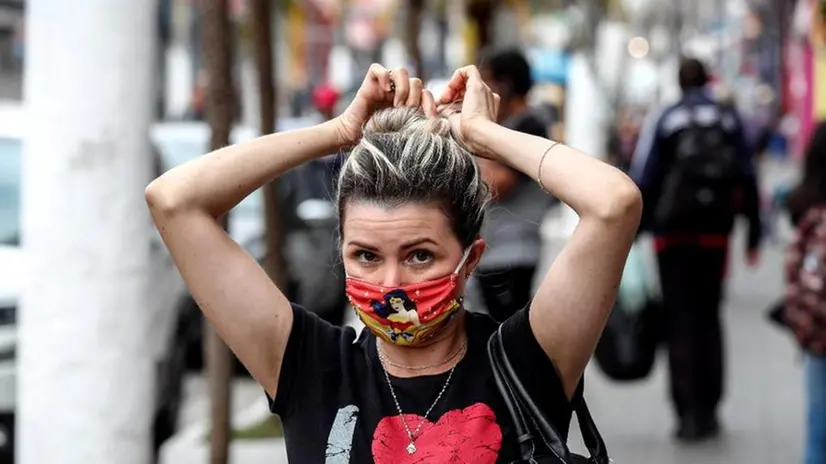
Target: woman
[(805, 304), (411, 206)]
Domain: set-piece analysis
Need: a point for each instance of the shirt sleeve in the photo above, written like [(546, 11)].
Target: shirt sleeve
[(647, 167), (537, 372), (314, 350), (750, 200)]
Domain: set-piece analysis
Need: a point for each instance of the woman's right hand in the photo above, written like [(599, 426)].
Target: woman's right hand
[(381, 88)]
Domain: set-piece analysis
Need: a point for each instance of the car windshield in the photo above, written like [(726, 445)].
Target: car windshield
[(10, 174)]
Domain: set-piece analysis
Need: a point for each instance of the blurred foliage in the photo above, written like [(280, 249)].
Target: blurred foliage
[(268, 428)]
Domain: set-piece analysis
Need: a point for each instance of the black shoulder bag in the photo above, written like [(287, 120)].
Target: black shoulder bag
[(539, 441)]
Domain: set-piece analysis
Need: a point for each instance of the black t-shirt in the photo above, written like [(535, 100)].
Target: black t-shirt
[(336, 407)]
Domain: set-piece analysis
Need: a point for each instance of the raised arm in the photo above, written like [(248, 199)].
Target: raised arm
[(252, 316), (248, 311), (571, 307)]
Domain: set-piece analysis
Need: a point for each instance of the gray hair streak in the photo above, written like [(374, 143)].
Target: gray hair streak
[(407, 157)]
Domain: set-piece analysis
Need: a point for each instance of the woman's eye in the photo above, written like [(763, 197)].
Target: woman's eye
[(366, 256), (421, 257)]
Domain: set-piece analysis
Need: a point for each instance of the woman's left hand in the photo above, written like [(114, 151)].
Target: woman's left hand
[(480, 105)]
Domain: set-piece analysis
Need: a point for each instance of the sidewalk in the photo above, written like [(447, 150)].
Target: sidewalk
[(762, 414)]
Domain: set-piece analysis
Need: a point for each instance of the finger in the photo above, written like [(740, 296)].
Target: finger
[(477, 85), (455, 85), (429, 104), (414, 98), (497, 100), (401, 78), (471, 72), (461, 80), (381, 75)]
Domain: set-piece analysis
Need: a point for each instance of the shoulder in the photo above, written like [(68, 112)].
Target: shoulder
[(525, 353), (672, 118), (314, 349), (480, 325), (528, 122), (532, 366), (535, 125), (310, 325), (650, 130), (517, 337)]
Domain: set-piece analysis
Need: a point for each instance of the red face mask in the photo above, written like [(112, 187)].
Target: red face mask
[(410, 314)]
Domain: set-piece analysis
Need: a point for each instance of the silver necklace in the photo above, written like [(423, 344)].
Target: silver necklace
[(450, 357), (411, 446)]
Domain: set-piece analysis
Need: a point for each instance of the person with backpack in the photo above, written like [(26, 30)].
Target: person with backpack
[(696, 174), (805, 304)]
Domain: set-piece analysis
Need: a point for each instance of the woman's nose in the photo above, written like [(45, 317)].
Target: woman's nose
[(392, 276)]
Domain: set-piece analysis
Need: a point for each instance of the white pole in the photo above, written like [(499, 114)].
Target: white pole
[(86, 370), (585, 108), (585, 130), (180, 78)]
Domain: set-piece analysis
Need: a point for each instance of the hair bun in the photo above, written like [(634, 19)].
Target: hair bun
[(407, 120)]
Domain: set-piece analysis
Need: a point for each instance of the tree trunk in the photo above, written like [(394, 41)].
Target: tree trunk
[(261, 15), (86, 346), (443, 22), (481, 13), (414, 26), (220, 108)]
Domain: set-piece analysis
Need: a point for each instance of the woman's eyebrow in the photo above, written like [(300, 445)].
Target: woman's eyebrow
[(362, 245), (405, 246), (418, 241)]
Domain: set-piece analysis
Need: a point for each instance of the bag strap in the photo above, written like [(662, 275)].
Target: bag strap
[(546, 432), (506, 377), (523, 433)]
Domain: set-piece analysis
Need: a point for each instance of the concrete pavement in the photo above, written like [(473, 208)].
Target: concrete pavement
[(762, 414)]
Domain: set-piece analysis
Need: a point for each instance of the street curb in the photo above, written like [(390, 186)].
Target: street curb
[(190, 445)]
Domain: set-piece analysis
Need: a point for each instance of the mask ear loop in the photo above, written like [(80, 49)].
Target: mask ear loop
[(463, 261)]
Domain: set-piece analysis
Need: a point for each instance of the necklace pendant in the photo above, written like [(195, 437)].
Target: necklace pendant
[(411, 448)]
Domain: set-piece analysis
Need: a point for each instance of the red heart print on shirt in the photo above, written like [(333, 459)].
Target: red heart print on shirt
[(469, 435)]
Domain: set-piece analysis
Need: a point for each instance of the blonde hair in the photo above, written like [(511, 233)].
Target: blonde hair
[(406, 157)]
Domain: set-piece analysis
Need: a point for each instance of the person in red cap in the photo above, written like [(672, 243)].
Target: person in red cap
[(325, 98)]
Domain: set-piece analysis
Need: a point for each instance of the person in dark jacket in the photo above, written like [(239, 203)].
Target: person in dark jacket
[(692, 264), (506, 273)]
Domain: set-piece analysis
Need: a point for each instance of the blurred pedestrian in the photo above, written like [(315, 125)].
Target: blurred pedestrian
[(507, 270), (696, 174), (312, 251), (805, 309), (623, 141), (325, 99)]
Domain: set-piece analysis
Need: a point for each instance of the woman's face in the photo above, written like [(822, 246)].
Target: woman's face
[(403, 245)]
